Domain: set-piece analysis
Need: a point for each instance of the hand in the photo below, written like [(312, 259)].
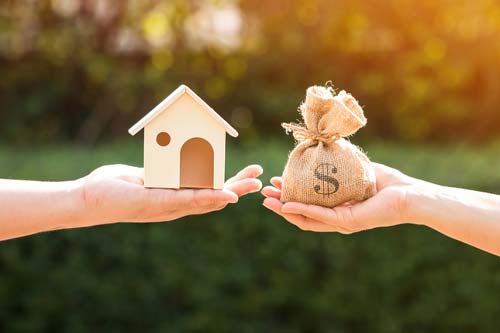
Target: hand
[(388, 207), (116, 193)]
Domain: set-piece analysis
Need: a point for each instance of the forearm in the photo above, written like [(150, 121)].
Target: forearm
[(469, 216), (28, 207)]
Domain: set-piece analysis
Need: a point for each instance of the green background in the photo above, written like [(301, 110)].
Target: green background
[(245, 269), (75, 75)]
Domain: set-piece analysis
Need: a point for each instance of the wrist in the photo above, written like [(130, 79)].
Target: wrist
[(64, 205), (83, 214), (97, 202), (422, 206)]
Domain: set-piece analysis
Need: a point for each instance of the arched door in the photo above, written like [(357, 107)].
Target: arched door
[(197, 164)]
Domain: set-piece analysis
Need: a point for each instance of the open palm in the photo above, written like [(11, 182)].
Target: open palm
[(386, 208), (116, 193)]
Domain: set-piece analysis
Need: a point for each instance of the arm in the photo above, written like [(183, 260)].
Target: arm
[(28, 207), (469, 216), (109, 194)]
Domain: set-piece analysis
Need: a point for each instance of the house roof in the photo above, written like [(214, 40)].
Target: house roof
[(181, 90)]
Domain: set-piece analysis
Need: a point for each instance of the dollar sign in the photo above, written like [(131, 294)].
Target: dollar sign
[(329, 185)]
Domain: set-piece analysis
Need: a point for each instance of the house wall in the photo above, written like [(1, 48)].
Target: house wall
[(183, 120)]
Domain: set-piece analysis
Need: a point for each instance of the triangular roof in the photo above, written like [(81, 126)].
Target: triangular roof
[(183, 89)]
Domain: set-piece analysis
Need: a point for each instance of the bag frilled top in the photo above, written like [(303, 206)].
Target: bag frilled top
[(324, 168)]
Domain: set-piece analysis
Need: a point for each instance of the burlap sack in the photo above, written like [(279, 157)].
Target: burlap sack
[(324, 168)]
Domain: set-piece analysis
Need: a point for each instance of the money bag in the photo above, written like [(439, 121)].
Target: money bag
[(324, 168)]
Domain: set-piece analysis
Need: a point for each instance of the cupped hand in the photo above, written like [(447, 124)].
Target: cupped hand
[(388, 207), (115, 193)]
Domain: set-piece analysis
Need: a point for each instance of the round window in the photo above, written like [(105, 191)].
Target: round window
[(163, 139)]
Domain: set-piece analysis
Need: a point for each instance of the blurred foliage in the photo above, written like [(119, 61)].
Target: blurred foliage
[(244, 269), (85, 70)]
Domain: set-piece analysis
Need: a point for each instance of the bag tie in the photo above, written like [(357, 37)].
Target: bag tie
[(301, 133)]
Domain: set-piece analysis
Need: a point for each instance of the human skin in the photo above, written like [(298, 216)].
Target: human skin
[(468, 216), (110, 194)]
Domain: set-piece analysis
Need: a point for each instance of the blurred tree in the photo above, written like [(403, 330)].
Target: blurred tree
[(86, 69)]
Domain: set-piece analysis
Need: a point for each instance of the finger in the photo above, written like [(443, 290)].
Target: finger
[(325, 215), (382, 170), (277, 181), (271, 192), (168, 200), (341, 218), (207, 209), (195, 211), (207, 197), (176, 214), (316, 226), (245, 186), (300, 221), (348, 203), (384, 175), (371, 213), (275, 205), (387, 176), (251, 171)]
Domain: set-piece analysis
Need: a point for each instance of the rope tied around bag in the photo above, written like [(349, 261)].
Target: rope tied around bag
[(301, 133)]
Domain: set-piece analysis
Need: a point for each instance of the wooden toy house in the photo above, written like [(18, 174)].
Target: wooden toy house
[(184, 143)]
